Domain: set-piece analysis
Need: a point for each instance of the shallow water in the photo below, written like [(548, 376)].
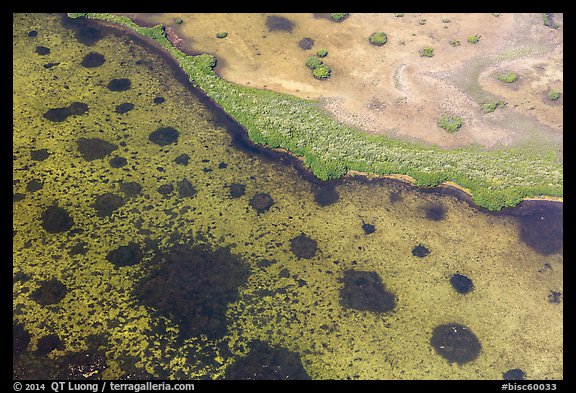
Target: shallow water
[(92, 281)]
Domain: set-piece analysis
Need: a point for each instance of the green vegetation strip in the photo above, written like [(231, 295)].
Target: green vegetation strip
[(495, 178)]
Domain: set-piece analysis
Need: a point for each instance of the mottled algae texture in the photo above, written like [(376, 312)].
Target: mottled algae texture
[(147, 245)]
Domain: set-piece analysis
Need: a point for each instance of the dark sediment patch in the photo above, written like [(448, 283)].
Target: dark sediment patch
[(364, 291), (56, 219), (118, 162), (42, 50), (131, 188), (455, 343), (34, 185), (78, 249), (50, 65), (61, 114), (20, 340), (395, 196), (158, 100), (237, 190), (32, 33), (222, 165), (306, 43), (279, 23), (182, 159), (515, 374), (48, 343), (18, 197), (86, 32), (94, 148), (107, 203), (461, 283), (266, 363), (124, 107), (93, 60), (420, 251), (303, 247), (166, 189), (326, 195), (261, 202), (194, 286), (554, 297), (435, 212), (164, 136), (87, 365), (120, 84), (50, 292), (125, 255), (39, 155), (368, 228), (186, 189)]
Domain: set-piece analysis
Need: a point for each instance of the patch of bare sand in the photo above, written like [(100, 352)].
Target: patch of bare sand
[(392, 90)]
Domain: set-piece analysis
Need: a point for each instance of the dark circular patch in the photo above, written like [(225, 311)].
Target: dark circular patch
[(420, 251), (541, 226), (306, 43), (20, 340), (125, 255), (435, 212), (118, 162), (61, 114), (42, 50), (34, 185), (237, 190), (124, 107), (368, 228), (266, 363), (18, 197), (159, 100), (461, 283), (182, 159), (81, 366), (93, 60), (222, 165), (56, 219), (39, 155), (32, 33), (554, 297), (279, 23), (165, 189), (105, 204), (131, 188), (121, 84), (88, 35), (164, 136), (50, 292), (78, 249), (261, 202), (194, 286), (515, 374), (326, 196), (303, 247), (364, 291), (94, 148), (186, 189), (455, 343), (47, 344)]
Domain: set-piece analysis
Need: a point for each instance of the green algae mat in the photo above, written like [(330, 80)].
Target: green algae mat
[(148, 245)]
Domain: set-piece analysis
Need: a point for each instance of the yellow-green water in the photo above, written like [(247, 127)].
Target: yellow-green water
[(508, 310)]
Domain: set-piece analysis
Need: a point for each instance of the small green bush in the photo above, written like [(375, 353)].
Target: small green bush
[(450, 123), (398, 15), (338, 17), (454, 43), (321, 72), (322, 53), (222, 34), (488, 107), (507, 77), (178, 21), (378, 38), (312, 62), (427, 52), (496, 14), (474, 38), (553, 95)]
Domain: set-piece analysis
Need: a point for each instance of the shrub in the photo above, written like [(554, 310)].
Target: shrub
[(553, 95), (321, 72), (488, 107), (222, 34), (179, 21), (507, 77), (474, 38), (322, 53), (398, 15), (312, 62), (378, 38), (450, 123), (338, 17), (454, 43), (427, 52)]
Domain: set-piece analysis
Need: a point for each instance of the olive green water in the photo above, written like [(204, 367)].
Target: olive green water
[(290, 302)]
